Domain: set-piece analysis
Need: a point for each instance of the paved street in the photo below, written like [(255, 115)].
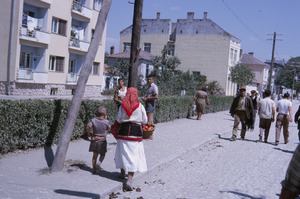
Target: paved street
[(187, 159)]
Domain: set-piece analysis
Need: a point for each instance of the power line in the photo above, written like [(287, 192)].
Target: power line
[(241, 21)]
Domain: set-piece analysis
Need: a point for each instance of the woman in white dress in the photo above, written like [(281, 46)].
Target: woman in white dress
[(130, 156), (120, 92)]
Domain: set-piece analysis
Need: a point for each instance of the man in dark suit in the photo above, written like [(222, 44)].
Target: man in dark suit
[(297, 121), (242, 111)]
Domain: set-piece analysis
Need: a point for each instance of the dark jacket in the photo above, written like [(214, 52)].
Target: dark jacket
[(248, 106), (297, 114)]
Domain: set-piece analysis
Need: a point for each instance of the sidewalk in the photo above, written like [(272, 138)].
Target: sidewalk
[(24, 174)]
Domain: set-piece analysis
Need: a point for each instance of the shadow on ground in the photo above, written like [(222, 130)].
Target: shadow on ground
[(77, 193), (243, 195)]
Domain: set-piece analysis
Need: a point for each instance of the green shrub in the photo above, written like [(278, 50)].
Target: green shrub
[(34, 123)]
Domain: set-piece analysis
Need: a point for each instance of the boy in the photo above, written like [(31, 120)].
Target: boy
[(98, 145)]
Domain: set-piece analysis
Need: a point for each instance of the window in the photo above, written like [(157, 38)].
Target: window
[(59, 26), (92, 35), (196, 73), (95, 69), (71, 66), (56, 63), (171, 49), (97, 4), (147, 71), (126, 46), (147, 47), (53, 91), (235, 55), (25, 60)]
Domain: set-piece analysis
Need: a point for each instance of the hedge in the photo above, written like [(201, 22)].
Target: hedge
[(35, 123)]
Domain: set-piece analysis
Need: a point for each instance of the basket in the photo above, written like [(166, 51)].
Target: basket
[(148, 134)]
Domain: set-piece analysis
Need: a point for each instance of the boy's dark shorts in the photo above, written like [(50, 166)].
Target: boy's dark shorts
[(98, 147), (150, 106)]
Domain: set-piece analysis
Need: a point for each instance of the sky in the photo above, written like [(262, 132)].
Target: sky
[(252, 21)]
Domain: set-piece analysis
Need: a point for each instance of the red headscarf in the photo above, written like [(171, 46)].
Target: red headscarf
[(131, 101)]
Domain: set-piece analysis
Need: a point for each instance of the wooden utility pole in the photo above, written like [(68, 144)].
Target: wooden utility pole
[(135, 43), (65, 137), (272, 60)]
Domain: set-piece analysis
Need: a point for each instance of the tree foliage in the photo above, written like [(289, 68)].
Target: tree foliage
[(120, 68), (285, 76), (241, 75)]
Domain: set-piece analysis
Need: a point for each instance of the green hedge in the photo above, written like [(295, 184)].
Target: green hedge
[(34, 123)]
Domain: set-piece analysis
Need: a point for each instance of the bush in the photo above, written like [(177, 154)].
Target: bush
[(35, 123)]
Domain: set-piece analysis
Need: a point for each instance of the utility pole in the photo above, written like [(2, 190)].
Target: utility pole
[(135, 43), (272, 60)]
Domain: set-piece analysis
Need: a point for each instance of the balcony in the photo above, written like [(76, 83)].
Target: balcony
[(29, 76), (81, 10), (47, 1), (72, 78), (34, 35), (78, 45)]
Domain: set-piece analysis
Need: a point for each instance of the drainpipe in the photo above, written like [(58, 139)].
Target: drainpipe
[(10, 44)]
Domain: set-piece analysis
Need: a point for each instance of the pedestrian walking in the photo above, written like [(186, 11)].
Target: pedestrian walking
[(266, 112), (149, 99), (242, 111), (130, 156), (291, 184), (100, 125), (254, 99), (201, 100), (284, 116), (297, 121)]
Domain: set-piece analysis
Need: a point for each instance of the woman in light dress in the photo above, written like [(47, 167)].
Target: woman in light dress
[(130, 156), (120, 92), (201, 99)]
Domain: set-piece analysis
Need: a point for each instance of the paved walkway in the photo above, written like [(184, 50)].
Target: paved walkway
[(25, 174)]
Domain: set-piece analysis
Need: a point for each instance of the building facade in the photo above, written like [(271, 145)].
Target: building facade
[(50, 40), (260, 69), (202, 46)]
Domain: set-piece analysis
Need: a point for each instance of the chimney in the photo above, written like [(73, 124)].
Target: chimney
[(205, 15), (158, 15), (241, 52), (112, 50), (251, 53), (190, 15)]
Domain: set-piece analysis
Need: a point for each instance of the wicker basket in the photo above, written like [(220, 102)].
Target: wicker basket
[(148, 134)]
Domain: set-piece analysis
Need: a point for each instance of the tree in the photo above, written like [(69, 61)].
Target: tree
[(286, 76), (120, 68), (165, 62), (241, 75), (58, 162)]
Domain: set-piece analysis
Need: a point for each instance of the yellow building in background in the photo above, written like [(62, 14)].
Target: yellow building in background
[(49, 43), (202, 46)]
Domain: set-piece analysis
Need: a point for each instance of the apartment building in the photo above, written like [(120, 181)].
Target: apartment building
[(50, 40), (202, 46)]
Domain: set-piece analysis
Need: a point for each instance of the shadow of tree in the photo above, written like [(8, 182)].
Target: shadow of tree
[(77, 193), (243, 195)]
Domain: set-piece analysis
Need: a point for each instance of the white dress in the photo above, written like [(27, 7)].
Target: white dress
[(130, 155)]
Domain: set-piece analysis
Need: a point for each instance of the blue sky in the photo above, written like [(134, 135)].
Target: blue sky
[(249, 20)]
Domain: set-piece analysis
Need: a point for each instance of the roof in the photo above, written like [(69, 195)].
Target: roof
[(126, 55), (250, 60)]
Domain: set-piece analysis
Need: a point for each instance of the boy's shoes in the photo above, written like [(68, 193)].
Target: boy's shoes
[(233, 138), (286, 141), (276, 143)]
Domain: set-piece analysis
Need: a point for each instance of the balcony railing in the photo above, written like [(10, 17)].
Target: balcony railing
[(72, 78), (25, 73), (81, 9), (35, 35), (78, 45)]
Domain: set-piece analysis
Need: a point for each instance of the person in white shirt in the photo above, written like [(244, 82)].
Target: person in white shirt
[(266, 112), (284, 109)]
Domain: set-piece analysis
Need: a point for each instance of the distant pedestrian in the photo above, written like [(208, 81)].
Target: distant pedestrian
[(100, 126), (120, 92), (284, 116), (266, 112), (149, 99), (254, 99), (201, 100), (291, 183), (297, 121), (242, 111)]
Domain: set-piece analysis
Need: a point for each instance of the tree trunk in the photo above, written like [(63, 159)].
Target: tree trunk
[(58, 162), (135, 43)]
